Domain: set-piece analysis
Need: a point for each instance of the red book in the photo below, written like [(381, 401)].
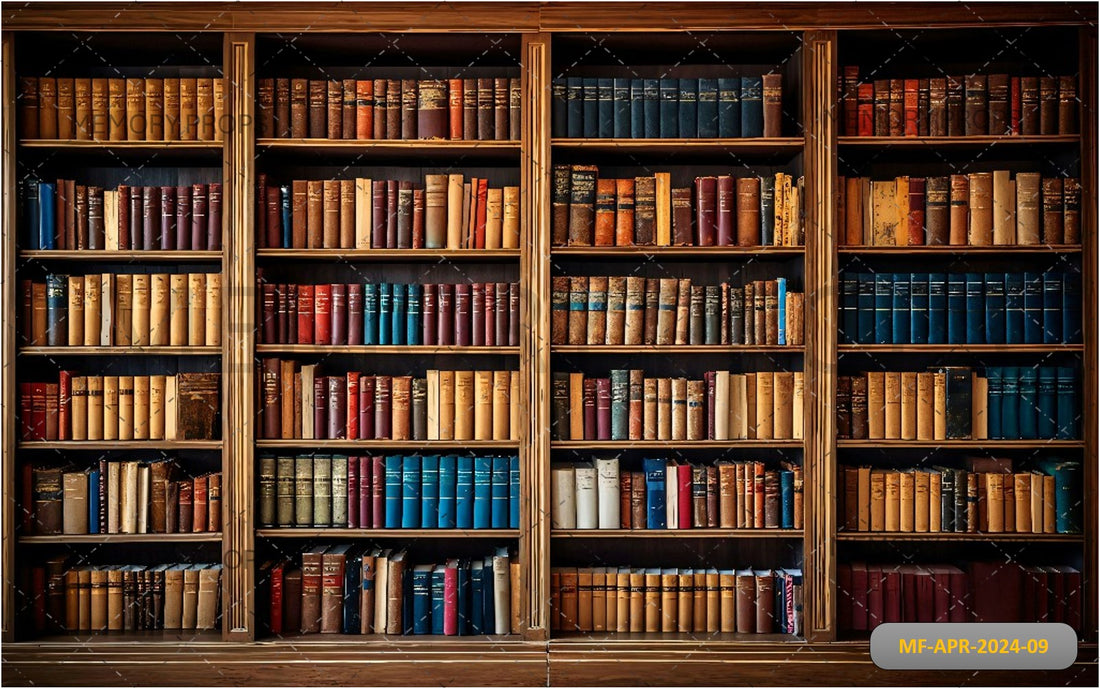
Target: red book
[(428, 324), (383, 392), (859, 596), (683, 494), (183, 219), (378, 214), (912, 107), (462, 314), (320, 408), (454, 103), (725, 210), (322, 314), (53, 394), (391, 213), (603, 409), (488, 326), (268, 323), (850, 81), (363, 496), (1014, 105), (64, 405), (366, 407), (199, 208), (337, 407), (305, 313), (378, 491), (891, 596), (482, 196), (277, 598), (291, 313), (200, 500), (355, 314), (445, 318), (1057, 587), (418, 219), (589, 388), (478, 297), (214, 218), (282, 310), (1071, 595), (925, 596), (909, 612), (352, 405), (916, 211), (353, 463), (273, 222), (866, 110), (263, 224), (995, 592), (705, 210), (513, 315), (500, 311), (339, 314), (450, 600), (941, 593), (874, 597)]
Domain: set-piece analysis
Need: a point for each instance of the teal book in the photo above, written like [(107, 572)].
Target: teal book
[(1071, 308), (385, 313), (448, 491), (422, 599), (995, 391), (370, 314), (1010, 403), (937, 308), (1067, 494), (501, 491), (1046, 402), (918, 308), (410, 492), (605, 108), (413, 323), (513, 491), (439, 585), (707, 109), (1068, 410), (483, 484), (464, 492), (1052, 308), (995, 308), (1033, 308), (429, 491), (1028, 391), (393, 494), (398, 326)]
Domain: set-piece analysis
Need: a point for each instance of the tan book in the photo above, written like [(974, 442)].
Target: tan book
[(79, 414), (901, 227), (615, 331), (739, 414), (908, 406), (363, 212), (576, 406), (124, 310), (667, 311), (959, 214), (106, 309), (159, 312), (994, 502), (220, 122), (171, 109), (95, 407), (286, 399), (876, 405), (213, 309), (110, 219), (679, 408), (892, 486), (110, 408), (501, 404), (783, 406), (464, 405), (173, 597), (926, 406), (139, 332), (634, 329), (513, 405), (447, 405), (157, 390), (1009, 499), (126, 402), (649, 408), (878, 501), (596, 326), (907, 487), (116, 106), (935, 522), (1028, 208), (939, 398), (93, 315), (494, 218), (196, 308), (171, 405), (921, 504), (483, 405), (1004, 209), (74, 501), (204, 100), (177, 310), (863, 496), (668, 599), (75, 312), (751, 403), (892, 397), (1036, 503), (135, 109), (884, 213), (98, 599), (663, 187), (980, 231), (721, 405), (154, 109), (206, 611), (765, 406), (664, 408), (1049, 509), (696, 410), (685, 602), (1022, 493), (84, 582)]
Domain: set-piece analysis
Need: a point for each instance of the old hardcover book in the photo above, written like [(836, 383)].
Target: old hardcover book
[(980, 231), (198, 407)]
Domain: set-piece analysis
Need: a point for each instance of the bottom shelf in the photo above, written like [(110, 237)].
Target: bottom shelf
[(563, 638), (174, 638), (404, 640)]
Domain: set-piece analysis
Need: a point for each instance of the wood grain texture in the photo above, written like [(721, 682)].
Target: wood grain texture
[(676, 533), (369, 533), (7, 333), (117, 538), (957, 141)]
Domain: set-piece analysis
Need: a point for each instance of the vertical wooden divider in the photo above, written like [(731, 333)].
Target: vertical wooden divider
[(1089, 402), (7, 336)]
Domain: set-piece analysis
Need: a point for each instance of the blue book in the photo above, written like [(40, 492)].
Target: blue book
[(956, 309), (1071, 308), (1067, 408), (407, 602), (884, 300), (463, 598), (30, 212), (1067, 494), (1033, 308), (901, 316), (994, 392), (353, 574), (385, 313), (994, 308), (422, 599), (605, 108), (47, 216), (574, 107), (591, 104), (410, 491), (464, 492), (689, 109), (865, 309), (654, 492), (651, 104), (937, 308), (1014, 308), (559, 113), (729, 108), (429, 491), (1010, 403), (476, 606), (288, 218), (1027, 392), (918, 308), (1052, 308), (57, 306), (975, 308), (413, 323), (439, 583), (370, 313), (620, 97), (513, 491), (637, 108), (620, 404), (398, 326), (781, 297), (752, 106), (786, 499), (93, 501), (849, 307), (393, 491), (767, 210), (483, 483), (1046, 402), (669, 108), (501, 489), (707, 109), (448, 490)]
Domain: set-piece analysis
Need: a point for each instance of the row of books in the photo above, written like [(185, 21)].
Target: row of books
[(984, 592), (116, 109), (587, 210), (974, 105), (955, 402), (735, 107), (66, 216), (364, 590), (386, 313), (676, 600), (986, 499), (120, 497), (109, 309), (450, 211), (976, 209), (410, 491), (298, 402), (637, 310), (675, 495), (961, 308), (482, 109), (185, 406), (722, 406)]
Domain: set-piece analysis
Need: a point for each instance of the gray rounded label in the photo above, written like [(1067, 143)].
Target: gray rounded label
[(932, 646)]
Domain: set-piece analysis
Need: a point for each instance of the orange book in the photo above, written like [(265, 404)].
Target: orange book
[(624, 212), (454, 103), (605, 231), (364, 109)]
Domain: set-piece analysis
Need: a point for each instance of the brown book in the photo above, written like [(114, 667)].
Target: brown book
[(582, 201), (896, 115), (683, 305), (1071, 220), (298, 125), (1067, 104), (616, 309), (578, 304), (197, 406), (666, 311), (65, 109), (334, 109), (28, 107), (116, 106), (976, 106), (645, 211), (330, 215), (1028, 225), (681, 217), (392, 106), (1053, 211), (980, 231), (315, 215), (748, 211), (624, 212), (312, 581), (432, 109), (154, 109), (936, 217), (998, 117), (204, 96), (605, 209), (773, 104), (501, 96), (318, 105), (597, 310), (959, 214)]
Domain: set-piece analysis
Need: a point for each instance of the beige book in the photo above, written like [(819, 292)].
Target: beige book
[(95, 407), (980, 221), (190, 603), (1049, 510), (447, 402), (797, 413), (908, 501), (483, 405), (213, 309), (494, 218), (979, 409), (893, 501), (1036, 503), (106, 309), (1022, 491), (663, 187), (454, 211), (98, 599), (141, 407), (513, 405), (892, 395), (1028, 226), (501, 403), (92, 315), (84, 581), (664, 408), (727, 602), (115, 617), (159, 320), (110, 407), (622, 600), (114, 503), (921, 504), (876, 405), (171, 408), (739, 415), (649, 408), (139, 332), (863, 498), (126, 401), (696, 410), (127, 486), (783, 406), (683, 309), (173, 597), (432, 378), (79, 415), (124, 310), (1004, 209), (206, 612), (908, 406), (939, 397), (765, 406), (1009, 499), (510, 222), (901, 227), (196, 308), (679, 408), (75, 312), (751, 402), (721, 405), (110, 220), (363, 213), (157, 389), (994, 502), (878, 501), (935, 522), (464, 404), (666, 311), (926, 406), (307, 375), (884, 213)]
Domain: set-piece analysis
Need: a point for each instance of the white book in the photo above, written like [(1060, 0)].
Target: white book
[(381, 587), (107, 309), (114, 474), (128, 497), (563, 498), (171, 407), (502, 594), (722, 391), (586, 497), (110, 220), (607, 481), (363, 206), (144, 485), (308, 373), (672, 505)]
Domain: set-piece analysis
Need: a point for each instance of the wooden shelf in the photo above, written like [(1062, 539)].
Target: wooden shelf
[(643, 533), (420, 445), (785, 144), (388, 255), (607, 252), (956, 141), (82, 445), (367, 533), (1016, 249), (406, 148), (674, 444), (88, 256), (119, 538), (402, 350), (584, 638), (135, 146), (962, 444), (439, 643), (173, 639), (673, 349), (959, 348), (120, 351), (959, 537)]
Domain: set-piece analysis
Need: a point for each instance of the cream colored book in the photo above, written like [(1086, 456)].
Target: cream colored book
[(159, 315), (126, 401), (454, 211), (196, 308), (494, 219), (141, 407), (213, 309), (177, 307), (110, 220), (107, 309), (158, 386), (171, 408), (510, 230), (363, 213), (92, 315)]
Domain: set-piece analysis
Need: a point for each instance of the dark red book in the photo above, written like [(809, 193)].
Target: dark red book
[(273, 223), (589, 389), (429, 326), (859, 597), (378, 214), (183, 218), (263, 223), (891, 595), (865, 114), (708, 378), (53, 392), (391, 213), (271, 409), (925, 596), (268, 334), (363, 494), (941, 593), (339, 310), (291, 313), (276, 587), (513, 314), (995, 592), (488, 324), (168, 218), (482, 204), (337, 407), (213, 218), (378, 491), (366, 407), (418, 219), (705, 210), (383, 394), (724, 191), (501, 311), (282, 312), (320, 408), (322, 314), (305, 313), (603, 409), (187, 506), (916, 211), (875, 600), (477, 315), (352, 405), (445, 318), (1057, 589), (150, 218), (64, 404), (911, 106), (38, 411), (462, 314), (134, 226), (1015, 105), (355, 314), (199, 209), (683, 485)]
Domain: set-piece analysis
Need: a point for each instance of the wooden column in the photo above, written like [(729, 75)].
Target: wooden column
[(7, 335)]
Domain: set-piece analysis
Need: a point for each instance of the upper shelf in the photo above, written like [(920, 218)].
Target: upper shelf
[(955, 141), (384, 255), (391, 148), (198, 151), (786, 144)]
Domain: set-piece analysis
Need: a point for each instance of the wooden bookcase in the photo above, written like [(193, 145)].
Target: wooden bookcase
[(540, 42)]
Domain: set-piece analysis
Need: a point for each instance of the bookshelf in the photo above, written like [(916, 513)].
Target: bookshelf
[(537, 44)]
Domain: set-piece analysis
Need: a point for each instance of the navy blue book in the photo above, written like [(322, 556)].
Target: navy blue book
[(413, 325), (30, 212), (57, 306), (707, 109), (464, 492), (513, 491), (651, 104), (767, 210), (93, 501), (393, 491), (975, 308), (956, 309), (47, 216), (786, 499), (410, 492), (1068, 410), (591, 119), (1010, 402), (670, 108), (488, 618), (501, 489), (429, 491), (288, 217), (620, 96), (574, 107), (1046, 402), (385, 313), (995, 392), (439, 583), (900, 306), (637, 108), (918, 308), (483, 484), (398, 324), (1071, 308), (1014, 308), (1027, 392), (849, 307), (729, 108), (654, 493), (994, 308), (937, 308), (463, 597), (1052, 308), (865, 331), (752, 106), (353, 574), (370, 313), (559, 113), (884, 299), (1033, 308), (605, 108), (689, 109), (477, 591), (422, 599), (448, 490)]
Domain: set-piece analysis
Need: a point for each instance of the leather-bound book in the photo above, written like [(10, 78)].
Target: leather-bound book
[(501, 312), (634, 319), (696, 315), (666, 316), (330, 217), (501, 96), (582, 200), (748, 211), (469, 109), (1071, 222), (559, 309), (937, 106), (1027, 208), (28, 107), (616, 310), (560, 197), (578, 304), (204, 97), (346, 213), (1053, 211), (150, 214), (315, 215), (977, 106), (645, 211), (624, 212), (318, 108), (454, 91), (154, 109), (956, 106), (485, 110), (401, 407), (198, 407), (773, 105), (1067, 104), (408, 109), (265, 107), (364, 109), (915, 218), (200, 216), (980, 231), (936, 216), (135, 109), (116, 107), (299, 114), (681, 217), (652, 297), (896, 115), (725, 212), (1004, 209), (515, 109), (347, 110), (998, 104), (596, 310), (604, 234), (959, 215)]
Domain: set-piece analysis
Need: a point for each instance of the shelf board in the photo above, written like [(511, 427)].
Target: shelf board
[(790, 144), (384, 255), (423, 445), (674, 444), (387, 147), (959, 537), (118, 538), (367, 533), (120, 351), (77, 445), (136, 146), (956, 141), (673, 349), (173, 639), (962, 444), (941, 250), (605, 252), (104, 256), (643, 533), (408, 350), (561, 638), (441, 643), (959, 348)]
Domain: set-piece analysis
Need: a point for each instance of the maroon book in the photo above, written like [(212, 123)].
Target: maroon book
[(383, 392), (150, 218), (272, 421), (589, 408), (363, 496), (501, 312), (183, 218), (273, 211), (137, 200), (996, 592), (724, 190), (378, 214), (874, 597), (282, 313), (353, 491), (340, 314), (891, 596), (198, 216), (214, 217), (488, 324), (168, 218), (391, 213), (378, 491), (305, 314), (429, 326), (513, 314), (705, 210), (418, 219), (263, 213), (708, 377), (366, 407), (292, 313), (268, 334), (477, 315), (445, 315), (603, 409), (462, 314), (355, 314), (123, 228), (859, 597), (322, 314), (320, 408)]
